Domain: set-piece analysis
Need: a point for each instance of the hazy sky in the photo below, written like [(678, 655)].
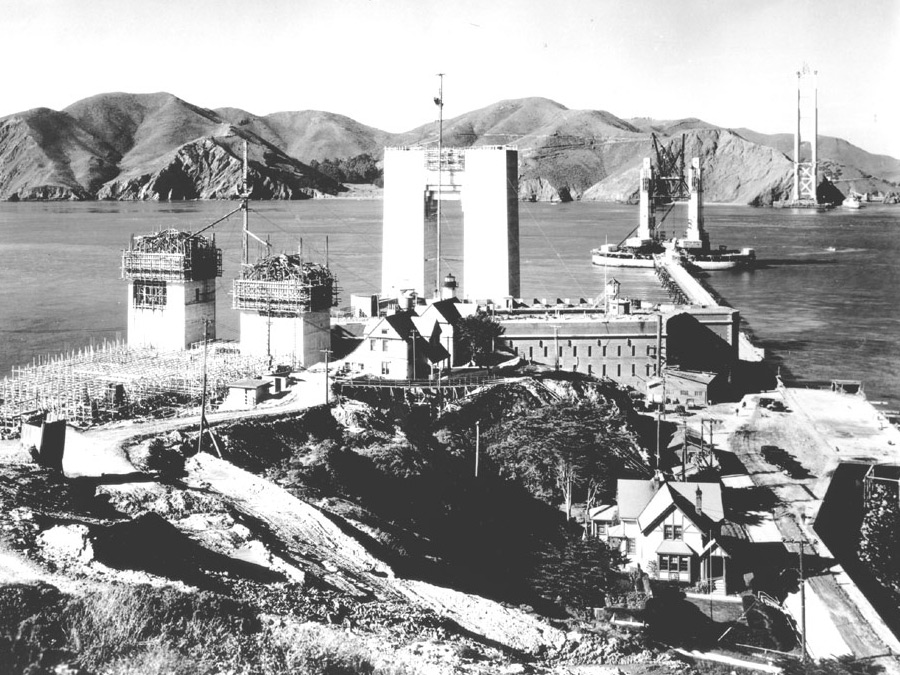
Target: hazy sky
[(728, 62)]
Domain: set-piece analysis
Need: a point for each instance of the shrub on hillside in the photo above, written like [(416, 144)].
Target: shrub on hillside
[(577, 574), (119, 622), (168, 462), (773, 625)]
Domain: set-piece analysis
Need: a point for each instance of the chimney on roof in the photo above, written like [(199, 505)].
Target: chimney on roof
[(699, 500)]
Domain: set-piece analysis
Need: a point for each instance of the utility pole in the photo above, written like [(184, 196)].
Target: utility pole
[(245, 206), (659, 420), (477, 445), (203, 423), (327, 353), (556, 346), (203, 389), (412, 338), (802, 544)]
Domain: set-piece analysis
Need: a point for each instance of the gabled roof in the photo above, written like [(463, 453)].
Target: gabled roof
[(674, 547), (698, 376), (408, 326), (711, 494), (604, 513), (447, 309), (661, 505), (426, 325), (402, 323), (679, 436), (643, 501), (633, 496)]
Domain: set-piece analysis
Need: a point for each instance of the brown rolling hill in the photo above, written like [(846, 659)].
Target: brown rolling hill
[(158, 146)]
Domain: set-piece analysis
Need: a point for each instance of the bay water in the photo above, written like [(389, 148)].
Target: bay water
[(823, 301)]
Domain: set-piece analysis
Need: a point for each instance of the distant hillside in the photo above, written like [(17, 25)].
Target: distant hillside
[(142, 146), (157, 146), (311, 134), (861, 170)]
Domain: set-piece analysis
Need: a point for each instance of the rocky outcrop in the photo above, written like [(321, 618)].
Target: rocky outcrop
[(622, 187), (50, 193), (207, 169), (540, 190), (735, 171)]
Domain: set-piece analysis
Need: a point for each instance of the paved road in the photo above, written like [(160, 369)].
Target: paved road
[(808, 432)]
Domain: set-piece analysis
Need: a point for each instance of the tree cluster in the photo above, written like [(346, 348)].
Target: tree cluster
[(358, 169), (565, 450), (879, 542)]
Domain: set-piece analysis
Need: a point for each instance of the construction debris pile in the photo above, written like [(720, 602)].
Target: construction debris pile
[(114, 381), (284, 285), (172, 255)]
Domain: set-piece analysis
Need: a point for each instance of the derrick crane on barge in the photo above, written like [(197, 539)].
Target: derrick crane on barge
[(665, 183)]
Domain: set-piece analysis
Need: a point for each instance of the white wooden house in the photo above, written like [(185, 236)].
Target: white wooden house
[(399, 347), (671, 530)]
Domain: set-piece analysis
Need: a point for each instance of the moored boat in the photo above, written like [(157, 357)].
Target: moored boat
[(722, 259), (611, 255)]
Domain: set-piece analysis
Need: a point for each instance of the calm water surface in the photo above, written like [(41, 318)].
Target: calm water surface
[(820, 313)]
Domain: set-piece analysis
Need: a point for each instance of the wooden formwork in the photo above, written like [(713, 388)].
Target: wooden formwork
[(115, 380), (171, 255)]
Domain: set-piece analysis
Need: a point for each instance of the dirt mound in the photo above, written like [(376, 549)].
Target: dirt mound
[(151, 544)]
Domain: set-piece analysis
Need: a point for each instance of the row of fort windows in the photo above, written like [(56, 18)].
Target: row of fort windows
[(650, 349)]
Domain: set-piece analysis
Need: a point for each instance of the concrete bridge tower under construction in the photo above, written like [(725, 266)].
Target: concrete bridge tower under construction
[(171, 289), (285, 306), (485, 180)]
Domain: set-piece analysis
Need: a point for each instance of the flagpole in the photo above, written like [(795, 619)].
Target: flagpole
[(440, 104)]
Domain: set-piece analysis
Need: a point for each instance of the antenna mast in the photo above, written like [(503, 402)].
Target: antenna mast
[(439, 101), (245, 240)]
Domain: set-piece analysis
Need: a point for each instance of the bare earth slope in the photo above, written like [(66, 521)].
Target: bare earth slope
[(354, 568)]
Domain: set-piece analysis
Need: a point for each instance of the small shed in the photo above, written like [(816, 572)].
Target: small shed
[(250, 391), (45, 440), (847, 386), (279, 378), (691, 388), (603, 518)]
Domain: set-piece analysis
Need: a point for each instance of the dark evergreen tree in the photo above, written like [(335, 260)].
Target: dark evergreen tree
[(879, 543), (478, 335), (563, 449)]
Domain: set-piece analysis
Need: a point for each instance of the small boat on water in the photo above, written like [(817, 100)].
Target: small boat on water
[(723, 259), (852, 202), (614, 255)]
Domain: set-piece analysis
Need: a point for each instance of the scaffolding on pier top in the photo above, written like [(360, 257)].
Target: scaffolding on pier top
[(172, 255), (284, 285)]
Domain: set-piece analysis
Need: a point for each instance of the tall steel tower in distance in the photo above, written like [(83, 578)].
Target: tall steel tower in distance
[(806, 170)]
